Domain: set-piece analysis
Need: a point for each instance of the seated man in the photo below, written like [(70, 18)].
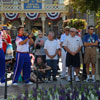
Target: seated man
[(42, 69)]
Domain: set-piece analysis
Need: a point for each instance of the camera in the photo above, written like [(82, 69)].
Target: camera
[(38, 46)]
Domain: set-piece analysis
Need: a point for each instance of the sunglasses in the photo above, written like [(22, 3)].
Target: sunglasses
[(91, 29), (72, 31), (40, 34)]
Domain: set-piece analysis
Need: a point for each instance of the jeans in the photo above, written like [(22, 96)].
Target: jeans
[(53, 65)]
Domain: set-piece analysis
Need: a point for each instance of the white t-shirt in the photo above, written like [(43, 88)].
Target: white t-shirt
[(1, 33), (63, 37), (73, 43), (22, 48), (51, 47)]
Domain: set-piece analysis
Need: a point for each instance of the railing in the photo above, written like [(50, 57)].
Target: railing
[(11, 7), (54, 7), (46, 7)]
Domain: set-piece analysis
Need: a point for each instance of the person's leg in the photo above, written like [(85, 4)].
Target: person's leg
[(49, 63), (87, 60), (2, 66), (54, 68), (93, 61), (26, 68), (18, 66), (93, 71), (44, 58), (63, 73), (87, 71)]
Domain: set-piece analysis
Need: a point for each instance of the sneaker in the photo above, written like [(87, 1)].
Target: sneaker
[(77, 79), (63, 77), (93, 80), (87, 80), (2, 84), (54, 79), (29, 83), (47, 80), (15, 84)]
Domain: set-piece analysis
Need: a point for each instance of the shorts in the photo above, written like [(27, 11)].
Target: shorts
[(73, 60), (90, 55)]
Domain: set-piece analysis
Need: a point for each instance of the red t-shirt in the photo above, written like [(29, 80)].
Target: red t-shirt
[(8, 39)]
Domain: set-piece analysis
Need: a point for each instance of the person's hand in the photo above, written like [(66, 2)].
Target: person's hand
[(5, 41), (26, 34), (52, 56), (42, 70), (73, 53), (41, 42), (30, 36)]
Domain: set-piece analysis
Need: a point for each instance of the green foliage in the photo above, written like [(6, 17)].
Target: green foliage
[(76, 23), (84, 5)]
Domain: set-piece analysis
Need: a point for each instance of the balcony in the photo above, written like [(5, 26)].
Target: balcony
[(29, 5)]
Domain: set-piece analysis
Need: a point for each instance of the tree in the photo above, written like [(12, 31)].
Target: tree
[(85, 5)]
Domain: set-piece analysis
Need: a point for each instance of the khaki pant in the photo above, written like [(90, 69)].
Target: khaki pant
[(90, 55)]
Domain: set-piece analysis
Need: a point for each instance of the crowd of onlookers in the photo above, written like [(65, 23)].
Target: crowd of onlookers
[(39, 55)]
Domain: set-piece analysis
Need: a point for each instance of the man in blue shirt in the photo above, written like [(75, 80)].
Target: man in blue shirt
[(90, 42)]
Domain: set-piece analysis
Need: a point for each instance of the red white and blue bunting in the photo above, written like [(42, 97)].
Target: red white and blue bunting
[(11, 16), (53, 16), (32, 16)]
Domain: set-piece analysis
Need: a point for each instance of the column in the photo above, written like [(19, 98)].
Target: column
[(63, 18), (22, 20), (43, 23), (97, 73), (2, 19), (43, 4), (22, 4)]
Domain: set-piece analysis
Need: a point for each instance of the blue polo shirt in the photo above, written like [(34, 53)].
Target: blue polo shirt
[(90, 38)]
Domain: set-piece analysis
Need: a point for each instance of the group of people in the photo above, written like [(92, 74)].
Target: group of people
[(47, 53), (72, 44)]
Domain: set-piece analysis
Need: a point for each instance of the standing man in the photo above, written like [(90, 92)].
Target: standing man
[(51, 48), (22, 56), (2, 61), (39, 45), (90, 43), (72, 45), (63, 52)]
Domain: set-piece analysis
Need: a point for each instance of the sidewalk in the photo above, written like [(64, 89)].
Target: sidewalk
[(16, 90)]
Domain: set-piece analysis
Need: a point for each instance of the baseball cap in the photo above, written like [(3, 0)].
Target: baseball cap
[(67, 27), (73, 29), (5, 28)]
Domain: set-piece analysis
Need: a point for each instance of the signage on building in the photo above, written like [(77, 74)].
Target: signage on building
[(33, 4)]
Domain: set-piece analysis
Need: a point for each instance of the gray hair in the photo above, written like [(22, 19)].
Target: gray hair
[(51, 33)]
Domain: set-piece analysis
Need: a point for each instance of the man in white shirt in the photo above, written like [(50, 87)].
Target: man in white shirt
[(63, 52), (2, 62), (22, 56), (51, 48), (72, 45)]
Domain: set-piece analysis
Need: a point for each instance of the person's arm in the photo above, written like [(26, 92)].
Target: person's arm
[(23, 42), (46, 52), (30, 40), (79, 49), (47, 68), (67, 49)]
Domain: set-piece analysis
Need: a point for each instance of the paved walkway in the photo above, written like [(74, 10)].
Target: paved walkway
[(16, 90)]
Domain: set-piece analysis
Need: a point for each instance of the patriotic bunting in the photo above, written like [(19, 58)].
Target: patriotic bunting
[(11, 16), (53, 16), (32, 16)]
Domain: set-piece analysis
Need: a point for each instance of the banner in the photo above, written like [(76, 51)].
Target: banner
[(53, 16), (32, 16), (33, 4), (11, 16)]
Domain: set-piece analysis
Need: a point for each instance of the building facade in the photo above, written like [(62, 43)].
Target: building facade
[(41, 14)]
